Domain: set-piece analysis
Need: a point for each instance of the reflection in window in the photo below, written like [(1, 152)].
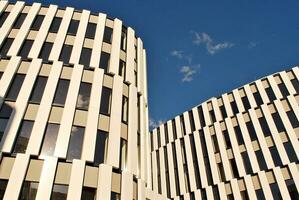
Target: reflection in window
[(23, 136), (88, 193), (37, 22), (90, 30), (75, 144), (55, 25), (104, 61), (122, 69), (6, 46), (59, 192), (101, 146), (73, 27), (115, 196), (46, 50), (38, 89), (26, 48), (29, 190), (5, 111), (3, 17), (50, 139), (106, 101), (3, 184), (61, 92), (107, 34), (83, 96), (18, 23), (123, 153), (15, 87), (125, 108), (66, 53), (85, 57)]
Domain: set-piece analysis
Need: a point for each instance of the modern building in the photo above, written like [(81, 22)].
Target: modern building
[(73, 106), (241, 145)]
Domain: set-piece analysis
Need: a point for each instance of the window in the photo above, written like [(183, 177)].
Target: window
[(295, 84), (123, 153), (6, 46), (104, 61), (105, 101), (61, 92), (75, 144), (270, 94), (3, 184), (246, 162), (234, 107), (59, 192), (166, 133), (23, 136), (221, 172), (66, 53), (201, 116), (26, 48), (5, 111), (83, 96), (91, 30), (37, 22), (18, 23), (135, 78), (261, 160), (115, 196), (73, 27), (195, 163), (1, 74), (107, 34), (123, 42), (182, 125), (251, 131), (125, 110), (122, 69), (55, 24), (275, 191), (264, 126), (290, 151), (212, 116), (192, 123), (278, 122), (38, 89), (246, 103), (275, 156), (49, 140), (260, 194), (293, 119), (15, 87), (46, 50), (223, 111), (88, 193), (215, 143), (174, 129), (258, 98), (29, 190), (85, 57), (3, 17), (227, 140), (234, 168), (292, 189), (283, 89), (101, 146)]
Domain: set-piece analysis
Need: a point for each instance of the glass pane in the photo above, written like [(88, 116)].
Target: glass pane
[(26, 48), (270, 94), (59, 192), (3, 184), (61, 92), (91, 30), (108, 34), (6, 46), (73, 27), (18, 23), (5, 111), (122, 69), (85, 57), (88, 193), (101, 144), (38, 89), (55, 25), (23, 137), (29, 190), (50, 140), (75, 144), (15, 87), (3, 17), (46, 50), (84, 96), (37, 22), (105, 101), (66, 53), (104, 62), (125, 109)]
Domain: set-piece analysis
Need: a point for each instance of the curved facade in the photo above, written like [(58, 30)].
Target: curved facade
[(241, 145), (73, 105)]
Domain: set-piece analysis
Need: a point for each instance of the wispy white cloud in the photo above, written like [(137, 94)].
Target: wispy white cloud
[(252, 45), (188, 72), (211, 46), (155, 123), (181, 55)]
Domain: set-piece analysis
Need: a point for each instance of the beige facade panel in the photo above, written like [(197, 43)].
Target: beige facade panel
[(126, 186), (222, 192), (216, 109), (196, 119), (227, 106), (115, 47), (162, 172), (140, 67), (154, 171), (130, 56), (250, 96), (262, 91), (178, 127), (187, 123), (3, 4), (274, 87), (265, 185), (171, 171)]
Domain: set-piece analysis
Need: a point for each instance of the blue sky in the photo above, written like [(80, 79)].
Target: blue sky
[(200, 49)]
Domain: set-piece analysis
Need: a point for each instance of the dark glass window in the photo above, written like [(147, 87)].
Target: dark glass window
[(73, 27), (295, 84), (227, 139), (6, 46), (38, 89), (3, 124), (125, 107), (5, 111), (75, 144), (234, 107), (292, 189), (122, 153), (261, 160), (192, 123), (23, 136), (244, 195), (239, 135), (275, 156), (260, 194), (91, 30), (3, 184), (290, 151), (122, 69), (264, 126), (123, 42), (195, 163), (215, 143), (88, 193), (26, 48), (166, 133), (107, 34), (15, 87), (66, 53), (293, 119), (223, 111), (29, 190), (1, 74), (159, 137), (37, 22), (46, 50), (18, 23), (201, 117), (83, 96), (104, 61), (61, 92), (278, 122), (212, 115), (251, 131), (246, 103), (176, 174), (106, 101), (221, 172), (85, 57), (275, 191), (3, 17), (59, 192), (258, 98), (216, 193), (55, 24), (283, 89), (115, 196), (174, 129), (234, 168), (270, 94), (246, 162), (182, 125), (50, 139), (101, 146)]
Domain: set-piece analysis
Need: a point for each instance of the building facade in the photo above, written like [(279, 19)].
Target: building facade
[(73, 106), (241, 145)]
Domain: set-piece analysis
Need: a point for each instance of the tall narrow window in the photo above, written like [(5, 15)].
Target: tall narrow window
[(227, 139), (212, 116), (234, 168), (15, 87), (38, 89), (23, 136), (239, 135), (3, 184), (174, 129), (246, 162), (251, 131), (101, 147), (3, 17), (201, 116), (66, 53), (59, 191), (88, 193), (246, 102), (29, 190), (260, 158), (73, 27), (91, 30), (275, 156), (123, 42), (125, 107), (115, 196), (234, 107), (18, 23), (215, 143), (122, 69), (258, 98), (182, 125), (46, 50), (223, 112), (293, 119), (295, 83), (37, 22), (278, 122), (49, 142), (61, 92), (104, 61), (55, 24), (290, 151), (265, 127), (26, 48), (107, 34), (105, 101), (75, 144), (283, 89), (270, 94), (85, 57), (192, 123), (123, 153), (6, 46), (83, 96)]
